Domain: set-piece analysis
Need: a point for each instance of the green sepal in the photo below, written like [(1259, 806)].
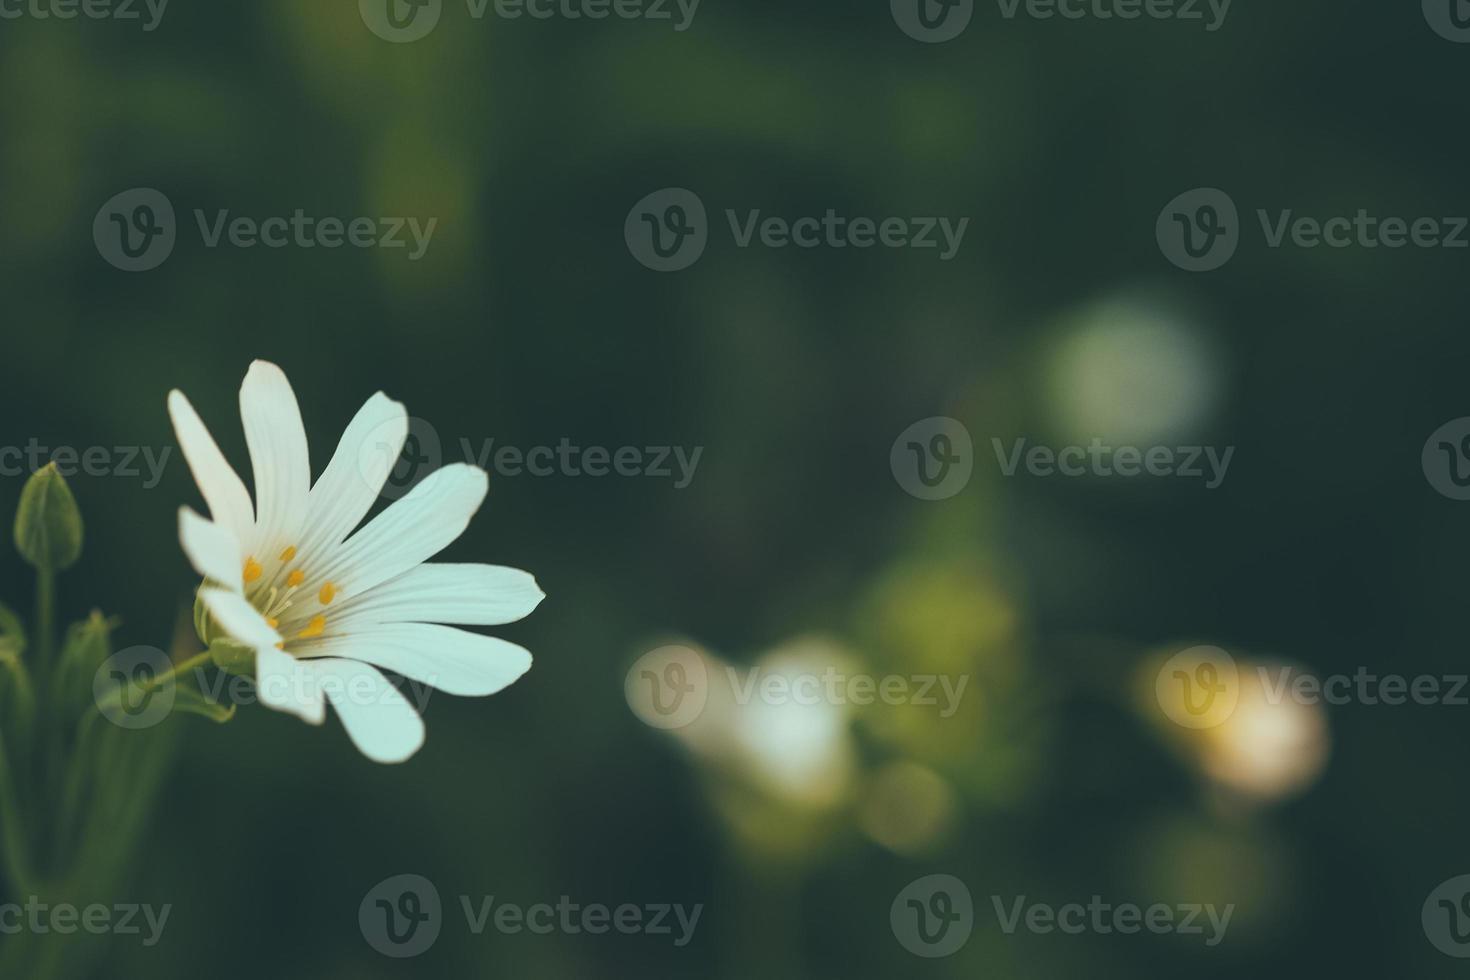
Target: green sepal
[(48, 525), (86, 648), (203, 625), (232, 657), (228, 654)]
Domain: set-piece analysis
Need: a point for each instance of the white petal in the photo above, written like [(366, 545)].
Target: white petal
[(221, 487), (278, 453), (286, 684), (350, 485), (379, 720), (465, 595), (239, 618), (454, 661), (212, 550), (410, 532)]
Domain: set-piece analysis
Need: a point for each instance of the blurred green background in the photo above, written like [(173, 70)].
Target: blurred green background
[(528, 321)]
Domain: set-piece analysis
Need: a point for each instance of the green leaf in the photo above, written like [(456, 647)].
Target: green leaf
[(12, 630), (48, 526), (17, 694)]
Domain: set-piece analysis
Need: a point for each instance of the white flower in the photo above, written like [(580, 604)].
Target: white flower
[(320, 608)]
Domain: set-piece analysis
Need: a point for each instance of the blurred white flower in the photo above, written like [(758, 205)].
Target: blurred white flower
[(800, 750), (323, 608), (1133, 369), (1244, 730), (771, 726), (1270, 747)]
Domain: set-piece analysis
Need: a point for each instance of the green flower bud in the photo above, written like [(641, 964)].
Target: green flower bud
[(48, 526), (87, 646)]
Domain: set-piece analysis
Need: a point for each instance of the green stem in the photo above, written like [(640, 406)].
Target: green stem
[(13, 838), (193, 663), (50, 753), (45, 625)]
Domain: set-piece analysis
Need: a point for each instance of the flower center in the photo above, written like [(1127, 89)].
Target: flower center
[(278, 595)]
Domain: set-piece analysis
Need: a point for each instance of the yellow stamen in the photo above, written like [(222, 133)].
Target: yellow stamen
[(316, 627), (327, 594), (272, 621), (289, 553), (281, 645), (295, 578), (252, 569)]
